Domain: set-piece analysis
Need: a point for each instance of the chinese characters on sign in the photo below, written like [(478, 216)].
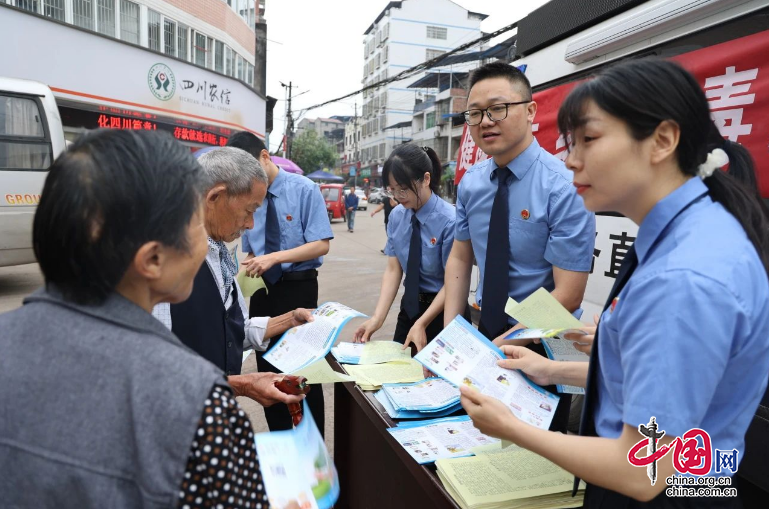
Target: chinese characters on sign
[(183, 133), (209, 92), (112, 122)]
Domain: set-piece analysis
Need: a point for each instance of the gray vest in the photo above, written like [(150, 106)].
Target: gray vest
[(99, 405)]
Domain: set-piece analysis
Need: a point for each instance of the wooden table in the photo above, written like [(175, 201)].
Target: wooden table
[(374, 470)]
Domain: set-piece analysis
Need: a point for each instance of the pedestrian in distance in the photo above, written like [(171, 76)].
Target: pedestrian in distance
[(388, 204), (351, 204)]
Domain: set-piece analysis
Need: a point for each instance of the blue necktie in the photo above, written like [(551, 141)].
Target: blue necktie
[(226, 265), (586, 424), (496, 270), (411, 295), (272, 239)]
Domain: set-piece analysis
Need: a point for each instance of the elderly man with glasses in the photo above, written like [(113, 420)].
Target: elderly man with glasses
[(518, 214)]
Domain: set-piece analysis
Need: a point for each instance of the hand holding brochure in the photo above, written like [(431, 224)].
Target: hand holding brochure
[(296, 466), (461, 355), (303, 345), (550, 321), (450, 437)]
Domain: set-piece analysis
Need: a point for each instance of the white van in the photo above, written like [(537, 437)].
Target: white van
[(31, 137)]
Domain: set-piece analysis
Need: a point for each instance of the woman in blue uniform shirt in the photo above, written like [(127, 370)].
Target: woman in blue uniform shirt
[(684, 338), (422, 223)]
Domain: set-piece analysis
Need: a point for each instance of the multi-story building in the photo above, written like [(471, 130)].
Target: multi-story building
[(351, 150), (323, 126), (405, 34), (183, 66)]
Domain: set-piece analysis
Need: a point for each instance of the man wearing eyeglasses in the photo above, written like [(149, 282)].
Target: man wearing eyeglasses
[(518, 214)]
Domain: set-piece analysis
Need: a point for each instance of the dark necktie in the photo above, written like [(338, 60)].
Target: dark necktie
[(272, 239), (496, 270), (586, 424), (411, 295)]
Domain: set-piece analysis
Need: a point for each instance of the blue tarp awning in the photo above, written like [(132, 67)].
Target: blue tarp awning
[(324, 175)]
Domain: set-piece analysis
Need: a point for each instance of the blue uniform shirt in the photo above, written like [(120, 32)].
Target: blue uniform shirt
[(688, 340), (549, 225), (302, 216), (436, 227)]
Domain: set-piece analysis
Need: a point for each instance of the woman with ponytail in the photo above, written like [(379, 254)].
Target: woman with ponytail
[(420, 234), (684, 337)]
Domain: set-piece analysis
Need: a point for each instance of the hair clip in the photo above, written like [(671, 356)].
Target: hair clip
[(717, 158)]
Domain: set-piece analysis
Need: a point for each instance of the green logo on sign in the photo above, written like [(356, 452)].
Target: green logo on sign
[(161, 81)]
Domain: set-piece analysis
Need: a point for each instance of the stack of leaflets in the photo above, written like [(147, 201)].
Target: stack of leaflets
[(296, 466), (371, 377), (373, 352), (429, 398), (549, 320), (510, 478), (450, 437), (461, 355)]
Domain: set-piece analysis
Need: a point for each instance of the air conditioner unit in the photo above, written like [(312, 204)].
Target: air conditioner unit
[(640, 25)]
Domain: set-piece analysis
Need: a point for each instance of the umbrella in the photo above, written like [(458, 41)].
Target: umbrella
[(289, 166), (324, 176)]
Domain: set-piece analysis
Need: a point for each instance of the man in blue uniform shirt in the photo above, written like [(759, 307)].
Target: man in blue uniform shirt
[(291, 234), (518, 213), (351, 204)]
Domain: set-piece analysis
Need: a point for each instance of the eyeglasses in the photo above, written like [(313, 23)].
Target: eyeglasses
[(402, 193), (495, 112)]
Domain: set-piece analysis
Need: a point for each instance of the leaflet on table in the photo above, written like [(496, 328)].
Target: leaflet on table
[(372, 376), (462, 355), (372, 352), (449, 437), (411, 414), (426, 395), (552, 320), (296, 466), (303, 345)]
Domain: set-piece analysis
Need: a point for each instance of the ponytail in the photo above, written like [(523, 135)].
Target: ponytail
[(737, 191), (436, 171)]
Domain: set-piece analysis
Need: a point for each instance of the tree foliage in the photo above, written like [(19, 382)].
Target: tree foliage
[(312, 152)]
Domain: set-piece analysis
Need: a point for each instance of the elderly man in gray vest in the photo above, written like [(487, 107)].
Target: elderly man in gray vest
[(214, 320)]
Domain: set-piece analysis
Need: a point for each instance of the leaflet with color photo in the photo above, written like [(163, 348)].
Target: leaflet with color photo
[(412, 414), (373, 352), (450, 437), (543, 311), (461, 355), (431, 394), (296, 466), (508, 478), (303, 345)]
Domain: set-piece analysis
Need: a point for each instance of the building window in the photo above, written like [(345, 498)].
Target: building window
[(54, 9), (153, 30), (228, 64), (239, 65), (433, 53), (219, 57), (27, 5), (129, 21), (436, 33), (181, 41), (200, 49), (210, 53), (385, 54), (382, 150), (250, 74), (385, 32), (378, 60), (430, 120), (169, 37), (105, 17), (82, 11)]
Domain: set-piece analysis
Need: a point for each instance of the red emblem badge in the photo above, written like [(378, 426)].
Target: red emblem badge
[(614, 303), (525, 214), (289, 218), (432, 241)]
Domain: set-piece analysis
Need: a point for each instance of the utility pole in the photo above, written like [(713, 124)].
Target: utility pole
[(289, 121), (355, 135)]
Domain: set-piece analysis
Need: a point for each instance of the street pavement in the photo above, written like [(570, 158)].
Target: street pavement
[(351, 274)]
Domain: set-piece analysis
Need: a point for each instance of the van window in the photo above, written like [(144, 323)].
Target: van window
[(331, 193), (23, 145)]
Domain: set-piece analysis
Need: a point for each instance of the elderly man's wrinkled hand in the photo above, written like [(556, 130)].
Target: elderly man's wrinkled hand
[(261, 388), (301, 316)]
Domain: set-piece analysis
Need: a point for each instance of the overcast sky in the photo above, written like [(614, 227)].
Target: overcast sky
[(309, 45)]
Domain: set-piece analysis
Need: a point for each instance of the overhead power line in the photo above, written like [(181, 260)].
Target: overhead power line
[(435, 62)]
